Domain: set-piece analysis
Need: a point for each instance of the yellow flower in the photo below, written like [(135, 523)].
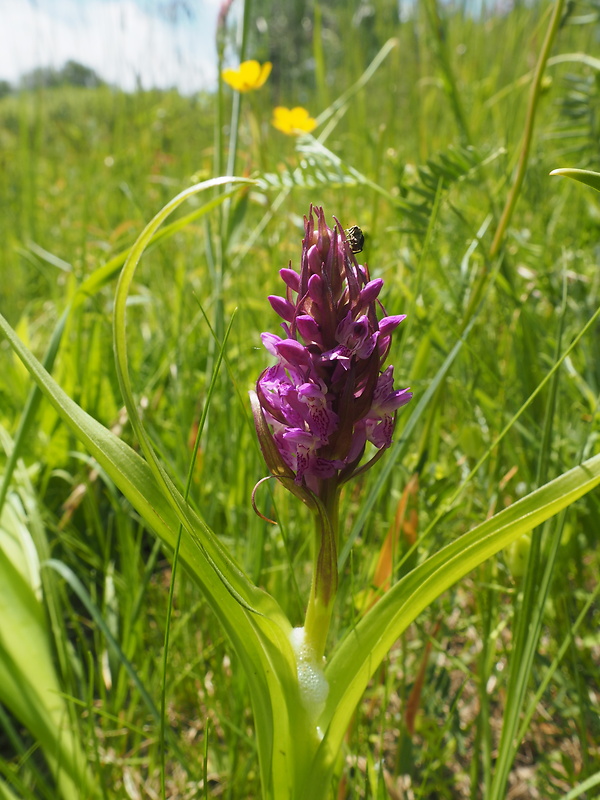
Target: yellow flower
[(251, 75), (293, 120)]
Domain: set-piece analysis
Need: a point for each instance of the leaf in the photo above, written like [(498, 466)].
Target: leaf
[(29, 685), (589, 783), (256, 626), (5, 792), (582, 175), (258, 629), (362, 650), (253, 621)]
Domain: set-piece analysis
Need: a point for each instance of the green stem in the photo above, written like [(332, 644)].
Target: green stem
[(534, 96), (325, 575), (234, 129)]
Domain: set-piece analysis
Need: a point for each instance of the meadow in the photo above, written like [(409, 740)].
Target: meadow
[(436, 135)]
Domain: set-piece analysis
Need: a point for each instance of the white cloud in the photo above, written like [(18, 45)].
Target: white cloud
[(121, 40)]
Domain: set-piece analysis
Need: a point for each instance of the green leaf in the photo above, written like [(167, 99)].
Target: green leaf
[(582, 175), (30, 409), (29, 685), (589, 783), (357, 657), (6, 793), (256, 626)]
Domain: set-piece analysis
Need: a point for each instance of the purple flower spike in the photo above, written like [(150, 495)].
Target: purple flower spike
[(328, 395)]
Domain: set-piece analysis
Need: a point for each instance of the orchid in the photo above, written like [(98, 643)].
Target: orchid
[(328, 388), (325, 411), (327, 396)]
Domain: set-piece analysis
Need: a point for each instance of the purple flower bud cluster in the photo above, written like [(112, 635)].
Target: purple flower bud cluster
[(328, 394)]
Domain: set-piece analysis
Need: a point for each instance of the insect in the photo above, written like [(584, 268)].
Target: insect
[(356, 239)]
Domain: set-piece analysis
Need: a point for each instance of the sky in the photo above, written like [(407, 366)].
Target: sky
[(160, 43)]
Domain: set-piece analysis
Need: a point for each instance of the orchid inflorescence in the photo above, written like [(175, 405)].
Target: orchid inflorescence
[(327, 395)]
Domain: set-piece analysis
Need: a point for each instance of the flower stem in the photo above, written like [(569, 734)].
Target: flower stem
[(325, 576), (534, 96)]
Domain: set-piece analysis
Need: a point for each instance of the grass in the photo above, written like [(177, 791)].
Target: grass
[(427, 152)]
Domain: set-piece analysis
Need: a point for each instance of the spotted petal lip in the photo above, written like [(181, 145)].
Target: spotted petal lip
[(328, 394)]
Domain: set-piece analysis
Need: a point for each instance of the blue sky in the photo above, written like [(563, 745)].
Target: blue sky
[(122, 40)]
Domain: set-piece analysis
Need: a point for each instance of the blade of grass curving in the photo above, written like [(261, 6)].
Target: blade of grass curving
[(271, 646), (261, 640), (364, 647), (589, 783), (221, 562), (582, 175), (101, 276)]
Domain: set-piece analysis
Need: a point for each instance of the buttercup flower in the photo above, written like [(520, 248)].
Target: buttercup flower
[(250, 75), (293, 121), (328, 394)]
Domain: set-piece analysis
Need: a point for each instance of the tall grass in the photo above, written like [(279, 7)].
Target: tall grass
[(426, 155)]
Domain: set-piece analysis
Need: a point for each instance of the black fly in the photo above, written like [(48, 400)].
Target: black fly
[(356, 239)]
